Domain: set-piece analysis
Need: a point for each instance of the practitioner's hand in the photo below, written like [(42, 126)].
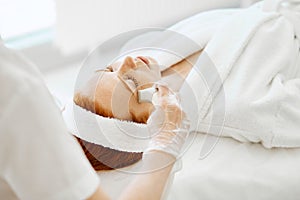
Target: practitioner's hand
[(168, 124)]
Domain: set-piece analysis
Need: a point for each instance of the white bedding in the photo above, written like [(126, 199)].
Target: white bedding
[(237, 171), (232, 171)]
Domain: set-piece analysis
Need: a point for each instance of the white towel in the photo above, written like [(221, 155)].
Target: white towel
[(108, 132)]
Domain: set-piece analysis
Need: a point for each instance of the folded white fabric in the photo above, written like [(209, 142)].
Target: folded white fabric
[(109, 132)]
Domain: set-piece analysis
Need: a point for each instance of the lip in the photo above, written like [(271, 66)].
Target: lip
[(144, 59)]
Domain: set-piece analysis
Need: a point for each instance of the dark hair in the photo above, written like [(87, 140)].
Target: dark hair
[(103, 158)]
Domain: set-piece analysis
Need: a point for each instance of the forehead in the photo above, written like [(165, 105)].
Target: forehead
[(112, 96), (106, 83), (109, 88)]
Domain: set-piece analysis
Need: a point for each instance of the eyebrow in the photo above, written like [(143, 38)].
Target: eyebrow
[(103, 70)]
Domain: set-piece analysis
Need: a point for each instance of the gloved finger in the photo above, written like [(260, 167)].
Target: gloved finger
[(165, 96), (163, 90)]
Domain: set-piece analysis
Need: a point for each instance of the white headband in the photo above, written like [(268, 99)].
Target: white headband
[(109, 132)]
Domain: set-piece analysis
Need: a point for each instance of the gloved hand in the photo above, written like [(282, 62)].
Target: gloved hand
[(168, 124)]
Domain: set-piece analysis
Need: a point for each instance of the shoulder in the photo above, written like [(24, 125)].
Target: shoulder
[(17, 75)]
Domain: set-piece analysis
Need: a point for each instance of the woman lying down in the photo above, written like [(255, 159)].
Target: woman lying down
[(255, 53)]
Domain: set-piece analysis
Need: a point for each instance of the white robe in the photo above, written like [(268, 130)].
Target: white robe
[(257, 56), (246, 83)]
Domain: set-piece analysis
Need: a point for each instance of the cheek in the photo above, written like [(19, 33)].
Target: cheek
[(140, 112), (120, 102)]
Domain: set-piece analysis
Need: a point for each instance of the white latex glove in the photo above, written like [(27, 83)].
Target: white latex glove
[(167, 124)]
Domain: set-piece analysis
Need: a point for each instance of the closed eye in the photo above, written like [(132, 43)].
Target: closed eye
[(110, 68), (107, 69), (136, 83)]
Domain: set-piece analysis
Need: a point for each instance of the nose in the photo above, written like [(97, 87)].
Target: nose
[(127, 64)]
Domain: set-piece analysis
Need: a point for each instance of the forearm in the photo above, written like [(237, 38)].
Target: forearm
[(175, 75), (99, 194), (150, 184), (169, 127)]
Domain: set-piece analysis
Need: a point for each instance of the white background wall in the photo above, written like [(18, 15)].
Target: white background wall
[(20, 17), (81, 24), (246, 3)]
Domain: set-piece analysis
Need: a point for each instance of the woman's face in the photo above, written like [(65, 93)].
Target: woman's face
[(114, 91)]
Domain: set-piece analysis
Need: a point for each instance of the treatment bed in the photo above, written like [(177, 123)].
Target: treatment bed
[(233, 170)]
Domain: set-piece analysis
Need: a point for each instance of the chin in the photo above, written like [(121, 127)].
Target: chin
[(142, 115)]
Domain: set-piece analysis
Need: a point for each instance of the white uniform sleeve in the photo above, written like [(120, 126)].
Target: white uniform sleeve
[(39, 159)]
